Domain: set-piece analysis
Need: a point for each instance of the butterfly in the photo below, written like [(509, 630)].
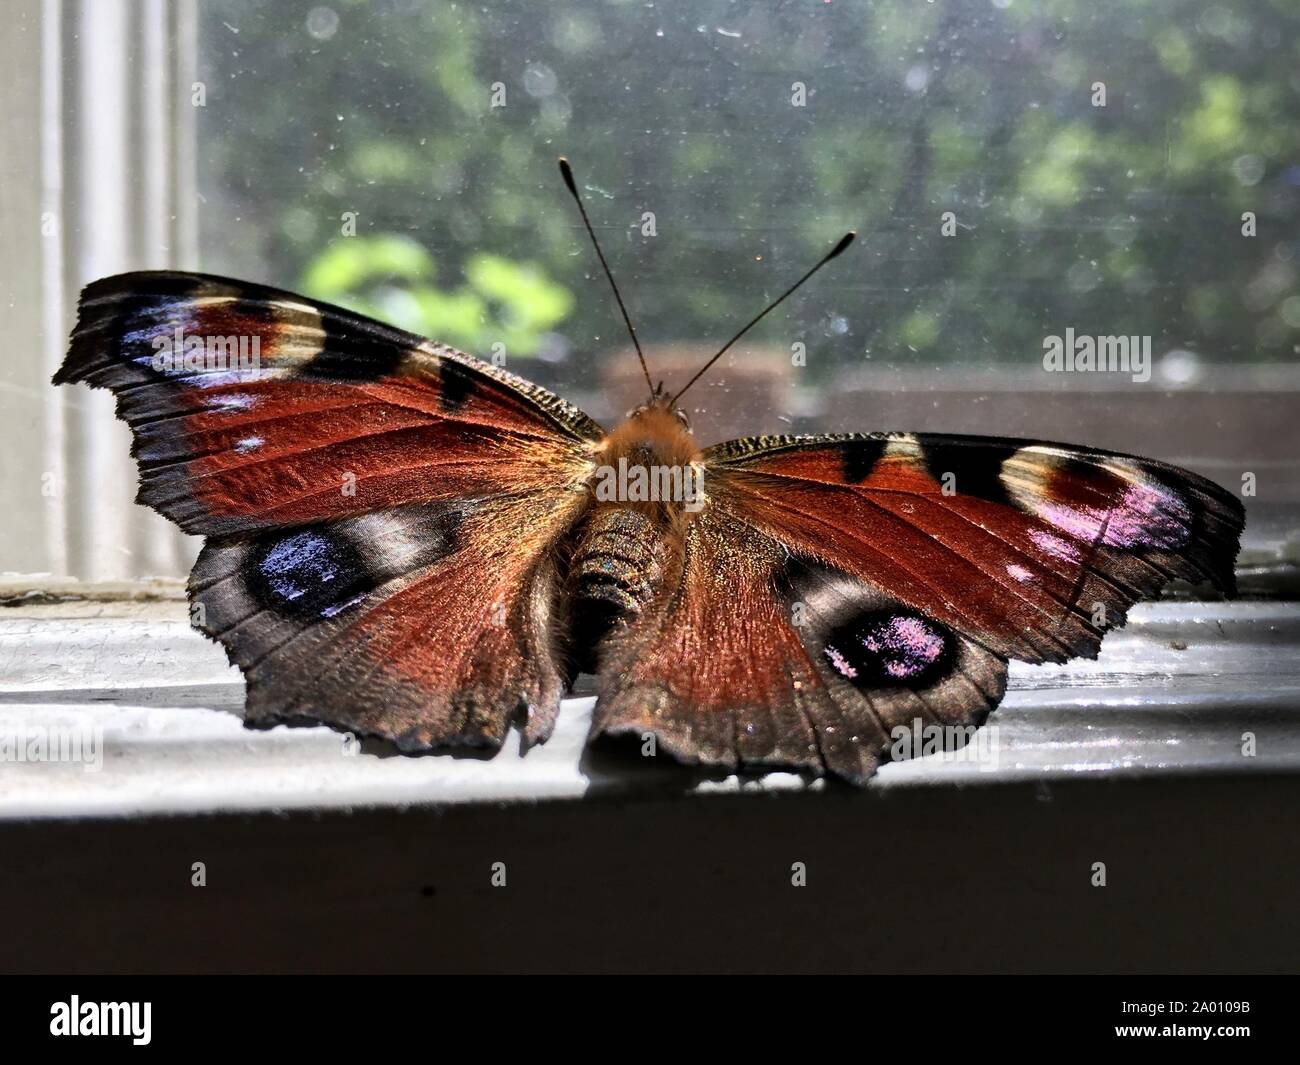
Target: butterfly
[(406, 542)]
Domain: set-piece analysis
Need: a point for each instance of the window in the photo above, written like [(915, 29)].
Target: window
[(1015, 173)]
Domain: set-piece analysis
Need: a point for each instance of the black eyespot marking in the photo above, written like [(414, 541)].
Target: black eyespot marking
[(311, 575), (456, 385), (1098, 484), (977, 468), (859, 458), (348, 353), (890, 648)]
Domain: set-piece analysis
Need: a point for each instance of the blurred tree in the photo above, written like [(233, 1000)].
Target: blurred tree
[(391, 277)]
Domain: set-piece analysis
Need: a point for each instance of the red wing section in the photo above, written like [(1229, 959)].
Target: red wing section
[(1034, 549), (754, 659), (429, 625)]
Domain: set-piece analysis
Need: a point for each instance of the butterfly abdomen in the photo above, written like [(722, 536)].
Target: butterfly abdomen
[(618, 564)]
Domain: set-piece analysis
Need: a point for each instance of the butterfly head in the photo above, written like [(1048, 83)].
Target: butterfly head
[(659, 404), (656, 433)]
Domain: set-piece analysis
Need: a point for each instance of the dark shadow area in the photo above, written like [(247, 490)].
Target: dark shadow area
[(608, 760), (1201, 876)]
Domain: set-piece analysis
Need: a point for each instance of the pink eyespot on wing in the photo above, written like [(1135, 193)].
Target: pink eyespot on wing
[(1149, 517), (891, 647)]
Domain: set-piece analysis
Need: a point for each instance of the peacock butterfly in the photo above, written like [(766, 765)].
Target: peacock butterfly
[(406, 542)]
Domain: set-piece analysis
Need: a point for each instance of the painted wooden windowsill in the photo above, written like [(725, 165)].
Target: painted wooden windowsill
[(1182, 689)]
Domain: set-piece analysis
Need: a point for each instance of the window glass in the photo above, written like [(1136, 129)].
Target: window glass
[(1024, 178)]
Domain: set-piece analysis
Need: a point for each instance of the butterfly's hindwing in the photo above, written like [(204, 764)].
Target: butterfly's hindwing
[(430, 625), (757, 659)]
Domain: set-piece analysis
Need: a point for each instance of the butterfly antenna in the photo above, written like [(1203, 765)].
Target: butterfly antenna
[(567, 172), (844, 242)]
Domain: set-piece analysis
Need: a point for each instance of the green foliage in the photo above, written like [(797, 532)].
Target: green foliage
[(391, 277)]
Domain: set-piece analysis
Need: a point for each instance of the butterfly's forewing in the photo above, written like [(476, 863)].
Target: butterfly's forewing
[(329, 414), (878, 579), (1035, 548), (381, 510)]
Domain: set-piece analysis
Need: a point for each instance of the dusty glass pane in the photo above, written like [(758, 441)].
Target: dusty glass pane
[(1019, 174)]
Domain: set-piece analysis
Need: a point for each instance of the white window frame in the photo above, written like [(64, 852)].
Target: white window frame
[(100, 134)]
